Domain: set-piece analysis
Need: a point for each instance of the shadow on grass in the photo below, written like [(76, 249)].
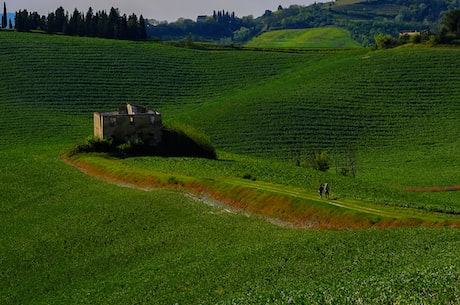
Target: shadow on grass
[(174, 144)]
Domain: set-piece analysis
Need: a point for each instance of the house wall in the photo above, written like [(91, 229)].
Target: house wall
[(124, 127), (98, 131)]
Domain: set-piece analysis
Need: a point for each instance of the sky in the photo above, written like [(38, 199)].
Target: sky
[(162, 10)]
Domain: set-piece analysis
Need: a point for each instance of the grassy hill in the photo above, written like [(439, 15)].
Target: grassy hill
[(70, 238), (305, 38), (386, 108)]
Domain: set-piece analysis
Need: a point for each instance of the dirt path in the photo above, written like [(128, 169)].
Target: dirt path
[(300, 193), (392, 213)]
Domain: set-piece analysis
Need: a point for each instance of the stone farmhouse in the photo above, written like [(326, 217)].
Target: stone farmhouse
[(408, 33), (129, 123)]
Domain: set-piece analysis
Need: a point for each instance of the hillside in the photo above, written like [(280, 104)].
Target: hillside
[(363, 19), (308, 38), (355, 105), (308, 90), (280, 103), (70, 238)]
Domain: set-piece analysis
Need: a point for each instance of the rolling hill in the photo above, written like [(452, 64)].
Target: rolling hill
[(306, 38), (70, 238)]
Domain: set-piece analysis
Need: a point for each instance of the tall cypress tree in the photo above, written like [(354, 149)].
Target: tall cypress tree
[(142, 28), (4, 17)]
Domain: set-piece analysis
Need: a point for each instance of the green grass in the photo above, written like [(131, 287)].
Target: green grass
[(68, 238), (316, 38), (347, 2), (270, 189)]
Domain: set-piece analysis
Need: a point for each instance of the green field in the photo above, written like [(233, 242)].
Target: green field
[(316, 38), (69, 238)]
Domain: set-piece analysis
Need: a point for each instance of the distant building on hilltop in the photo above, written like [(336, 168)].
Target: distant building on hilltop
[(129, 123), (201, 18), (408, 33)]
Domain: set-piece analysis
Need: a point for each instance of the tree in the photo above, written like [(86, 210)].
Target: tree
[(4, 17), (133, 27), (103, 28), (123, 34), (451, 27), (384, 41), (61, 20), (72, 28), (142, 28), (114, 23), (98, 24), (51, 22), (319, 161), (20, 21), (89, 22), (452, 21)]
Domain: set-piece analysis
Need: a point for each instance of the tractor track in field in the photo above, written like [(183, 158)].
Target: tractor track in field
[(393, 213), (281, 190)]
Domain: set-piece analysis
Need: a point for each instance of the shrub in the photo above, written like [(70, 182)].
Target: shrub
[(178, 140), (249, 177), (319, 161), (94, 144), (384, 42), (173, 180), (133, 148)]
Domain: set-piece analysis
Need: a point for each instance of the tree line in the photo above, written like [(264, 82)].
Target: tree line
[(220, 25), (92, 24), (449, 33), (364, 20)]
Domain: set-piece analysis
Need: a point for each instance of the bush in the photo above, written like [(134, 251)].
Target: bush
[(384, 42), (178, 141), (94, 144), (132, 148), (319, 161), (249, 177)]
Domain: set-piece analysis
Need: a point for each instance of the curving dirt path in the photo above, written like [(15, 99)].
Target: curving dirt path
[(303, 194), (389, 216)]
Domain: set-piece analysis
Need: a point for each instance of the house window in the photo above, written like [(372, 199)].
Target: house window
[(131, 120), (113, 120), (152, 120)]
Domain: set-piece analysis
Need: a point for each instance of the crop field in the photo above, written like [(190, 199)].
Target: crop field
[(315, 38), (70, 238), (347, 2)]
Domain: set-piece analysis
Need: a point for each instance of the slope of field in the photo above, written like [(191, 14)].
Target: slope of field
[(402, 98), (391, 109), (315, 38), (268, 195), (369, 10), (347, 2), (68, 238)]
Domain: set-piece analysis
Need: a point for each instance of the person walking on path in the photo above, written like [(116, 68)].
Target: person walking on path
[(326, 190), (320, 190)]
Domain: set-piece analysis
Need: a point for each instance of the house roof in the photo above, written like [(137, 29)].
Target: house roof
[(130, 109)]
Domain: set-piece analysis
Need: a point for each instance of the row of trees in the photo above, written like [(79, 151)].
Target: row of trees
[(364, 20), (448, 34), (221, 25), (99, 24)]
